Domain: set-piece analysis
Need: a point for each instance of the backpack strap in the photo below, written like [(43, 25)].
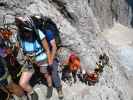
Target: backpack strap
[(38, 37)]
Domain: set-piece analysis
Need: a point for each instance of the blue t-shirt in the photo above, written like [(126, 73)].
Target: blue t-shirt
[(49, 35), (34, 47)]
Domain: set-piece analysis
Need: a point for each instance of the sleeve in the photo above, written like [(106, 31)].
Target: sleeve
[(49, 35), (41, 35)]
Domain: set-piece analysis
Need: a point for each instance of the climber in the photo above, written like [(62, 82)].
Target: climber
[(52, 36), (70, 63), (10, 62), (103, 61), (9, 51), (35, 53), (89, 77), (6, 82)]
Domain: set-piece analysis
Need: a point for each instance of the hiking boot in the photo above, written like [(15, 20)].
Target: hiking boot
[(49, 92), (34, 96), (60, 93)]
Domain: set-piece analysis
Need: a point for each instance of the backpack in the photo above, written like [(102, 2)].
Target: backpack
[(44, 23)]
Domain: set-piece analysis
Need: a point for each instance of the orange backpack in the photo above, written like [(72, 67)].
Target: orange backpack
[(5, 33)]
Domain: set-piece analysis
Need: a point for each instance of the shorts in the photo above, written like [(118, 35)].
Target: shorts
[(43, 66), (27, 66)]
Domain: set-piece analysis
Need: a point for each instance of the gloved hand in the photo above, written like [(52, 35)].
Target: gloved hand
[(50, 67)]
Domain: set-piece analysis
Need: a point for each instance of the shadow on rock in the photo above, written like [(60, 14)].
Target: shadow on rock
[(130, 3)]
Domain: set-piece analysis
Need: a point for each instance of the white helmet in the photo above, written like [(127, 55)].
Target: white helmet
[(25, 23)]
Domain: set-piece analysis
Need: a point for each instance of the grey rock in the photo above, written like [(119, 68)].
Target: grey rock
[(80, 23)]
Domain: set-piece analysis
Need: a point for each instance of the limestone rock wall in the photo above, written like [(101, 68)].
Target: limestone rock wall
[(108, 11), (80, 23)]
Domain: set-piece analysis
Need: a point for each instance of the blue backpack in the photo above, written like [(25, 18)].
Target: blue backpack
[(46, 24)]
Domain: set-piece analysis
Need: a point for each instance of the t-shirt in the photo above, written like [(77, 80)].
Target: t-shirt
[(49, 35), (63, 55), (34, 47)]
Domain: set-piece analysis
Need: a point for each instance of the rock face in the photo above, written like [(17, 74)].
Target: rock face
[(108, 11), (80, 23), (105, 11)]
